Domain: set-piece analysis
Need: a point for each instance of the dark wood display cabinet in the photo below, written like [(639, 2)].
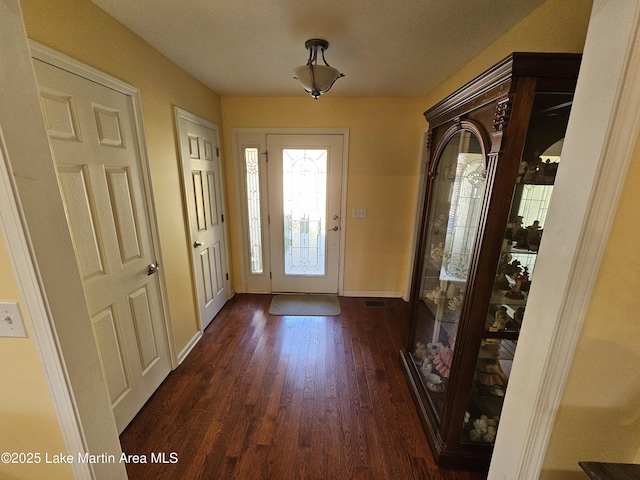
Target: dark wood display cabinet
[(494, 149)]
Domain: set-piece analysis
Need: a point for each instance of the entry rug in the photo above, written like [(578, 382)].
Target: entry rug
[(305, 305)]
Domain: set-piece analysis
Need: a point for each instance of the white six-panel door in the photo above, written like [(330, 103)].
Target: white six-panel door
[(94, 141), (200, 154)]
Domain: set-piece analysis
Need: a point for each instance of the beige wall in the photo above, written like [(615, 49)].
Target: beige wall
[(599, 414), (81, 30), (27, 414), (383, 157), (555, 26)]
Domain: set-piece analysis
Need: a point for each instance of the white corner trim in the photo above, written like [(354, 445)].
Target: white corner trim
[(187, 349), (611, 137), (34, 305)]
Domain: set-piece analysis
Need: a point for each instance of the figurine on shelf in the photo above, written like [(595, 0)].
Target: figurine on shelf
[(534, 173), (488, 370), (484, 429), (490, 373), (514, 226), (521, 237), (534, 234), (507, 274), (435, 383), (501, 319), (433, 349), (426, 368), (526, 282), (442, 359), (433, 295), (439, 223), (420, 351), (520, 279), (437, 252), (455, 302), (519, 315)]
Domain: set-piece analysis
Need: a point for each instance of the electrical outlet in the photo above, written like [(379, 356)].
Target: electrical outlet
[(11, 324), (359, 213)]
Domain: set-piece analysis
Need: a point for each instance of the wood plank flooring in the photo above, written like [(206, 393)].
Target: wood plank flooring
[(268, 397)]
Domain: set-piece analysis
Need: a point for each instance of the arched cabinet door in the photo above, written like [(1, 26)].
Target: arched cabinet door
[(456, 184)]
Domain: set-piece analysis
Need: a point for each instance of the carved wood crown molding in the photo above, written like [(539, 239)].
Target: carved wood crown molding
[(495, 82), (502, 114)]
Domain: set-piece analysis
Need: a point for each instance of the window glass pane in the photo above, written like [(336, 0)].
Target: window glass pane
[(252, 179), (304, 196)]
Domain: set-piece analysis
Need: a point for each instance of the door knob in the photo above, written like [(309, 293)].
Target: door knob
[(153, 268), (197, 244), (335, 229)]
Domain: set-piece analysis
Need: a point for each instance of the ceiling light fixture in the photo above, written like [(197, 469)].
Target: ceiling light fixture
[(316, 79)]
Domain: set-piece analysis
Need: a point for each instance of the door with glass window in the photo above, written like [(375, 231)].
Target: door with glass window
[(305, 181)]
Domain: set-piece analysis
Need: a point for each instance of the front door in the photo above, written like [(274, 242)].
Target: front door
[(94, 139), (200, 156), (305, 182)]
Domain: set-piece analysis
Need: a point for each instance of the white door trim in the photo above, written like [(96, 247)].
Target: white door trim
[(36, 310), (598, 149), (57, 59), (179, 113), (261, 133)]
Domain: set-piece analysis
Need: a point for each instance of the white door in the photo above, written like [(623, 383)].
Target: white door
[(203, 191), (95, 145), (305, 191)]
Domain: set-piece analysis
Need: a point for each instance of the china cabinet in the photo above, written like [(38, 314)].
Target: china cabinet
[(493, 152)]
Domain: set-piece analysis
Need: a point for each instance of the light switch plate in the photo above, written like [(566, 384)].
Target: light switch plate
[(359, 213), (11, 324)]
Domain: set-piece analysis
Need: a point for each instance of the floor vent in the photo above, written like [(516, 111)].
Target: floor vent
[(374, 303)]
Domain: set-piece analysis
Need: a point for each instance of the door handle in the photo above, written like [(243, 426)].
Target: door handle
[(335, 229), (153, 268), (197, 244)]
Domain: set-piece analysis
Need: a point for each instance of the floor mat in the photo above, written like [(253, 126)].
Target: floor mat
[(305, 305)]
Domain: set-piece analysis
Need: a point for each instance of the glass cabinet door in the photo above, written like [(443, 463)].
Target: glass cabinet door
[(516, 267), (453, 215)]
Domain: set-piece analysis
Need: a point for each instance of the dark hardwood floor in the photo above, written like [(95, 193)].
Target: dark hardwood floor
[(266, 397)]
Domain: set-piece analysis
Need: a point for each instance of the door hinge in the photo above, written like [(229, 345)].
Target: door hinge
[(222, 217), (217, 151), (266, 156), (227, 276), (270, 276), (268, 219)]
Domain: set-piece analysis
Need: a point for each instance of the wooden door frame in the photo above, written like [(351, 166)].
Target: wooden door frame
[(180, 113), (258, 137)]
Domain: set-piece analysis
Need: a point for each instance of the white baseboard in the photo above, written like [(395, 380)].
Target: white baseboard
[(187, 349), (371, 293)]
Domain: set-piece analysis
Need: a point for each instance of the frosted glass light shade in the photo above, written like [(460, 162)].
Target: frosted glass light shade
[(316, 79)]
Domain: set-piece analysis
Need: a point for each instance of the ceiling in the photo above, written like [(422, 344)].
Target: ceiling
[(384, 47)]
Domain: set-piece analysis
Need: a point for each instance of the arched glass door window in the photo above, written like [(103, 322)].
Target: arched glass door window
[(457, 189)]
